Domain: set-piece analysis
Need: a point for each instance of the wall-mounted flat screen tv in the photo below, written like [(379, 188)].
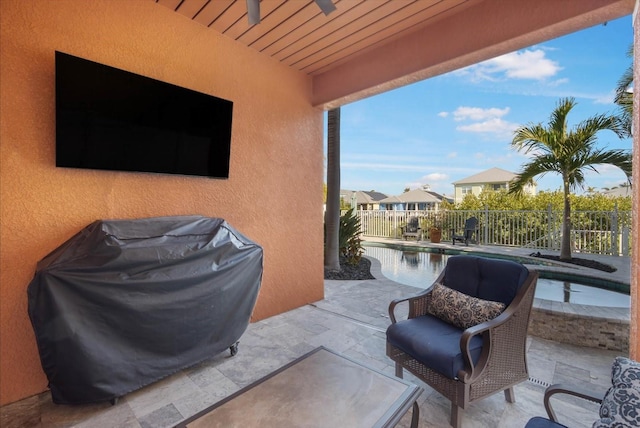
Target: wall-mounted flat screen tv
[(112, 119)]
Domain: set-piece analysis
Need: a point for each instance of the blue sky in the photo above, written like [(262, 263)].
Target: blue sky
[(455, 125)]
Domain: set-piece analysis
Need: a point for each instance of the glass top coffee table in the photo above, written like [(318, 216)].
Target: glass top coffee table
[(319, 389)]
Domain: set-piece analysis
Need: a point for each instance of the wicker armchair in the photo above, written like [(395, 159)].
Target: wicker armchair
[(467, 364), (552, 422), (619, 405)]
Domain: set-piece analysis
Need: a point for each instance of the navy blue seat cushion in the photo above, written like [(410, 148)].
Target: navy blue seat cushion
[(433, 342), (488, 279), (538, 422)]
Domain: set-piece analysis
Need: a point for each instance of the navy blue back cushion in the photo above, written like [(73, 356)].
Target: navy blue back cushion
[(488, 279)]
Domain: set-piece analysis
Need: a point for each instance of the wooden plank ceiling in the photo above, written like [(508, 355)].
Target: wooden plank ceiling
[(298, 34)]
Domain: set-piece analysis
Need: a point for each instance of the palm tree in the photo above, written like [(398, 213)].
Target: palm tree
[(624, 94), (332, 213), (568, 152)]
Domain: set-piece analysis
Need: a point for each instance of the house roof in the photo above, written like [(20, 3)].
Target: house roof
[(373, 196), (493, 175), (368, 47), (414, 196), (363, 197), (391, 200)]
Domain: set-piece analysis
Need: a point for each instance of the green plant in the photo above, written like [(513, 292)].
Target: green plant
[(436, 221), (570, 152), (350, 243)]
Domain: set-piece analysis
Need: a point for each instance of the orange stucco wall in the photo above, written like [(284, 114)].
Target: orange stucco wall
[(273, 194)]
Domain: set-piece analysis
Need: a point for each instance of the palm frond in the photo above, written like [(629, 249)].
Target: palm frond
[(558, 120), (568, 152), (624, 94), (591, 126), (542, 165), (531, 138)]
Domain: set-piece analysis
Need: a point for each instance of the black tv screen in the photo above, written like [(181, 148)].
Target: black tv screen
[(116, 120)]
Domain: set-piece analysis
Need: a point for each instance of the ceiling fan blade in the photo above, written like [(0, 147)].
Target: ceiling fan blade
[(326, 6), (253, 10)]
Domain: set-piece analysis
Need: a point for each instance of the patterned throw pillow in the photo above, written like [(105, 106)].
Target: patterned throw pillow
[(460, 309), (625, 372), (621, 404), (619, 408)]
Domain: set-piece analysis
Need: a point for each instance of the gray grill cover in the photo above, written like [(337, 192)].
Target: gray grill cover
[(125, 303)]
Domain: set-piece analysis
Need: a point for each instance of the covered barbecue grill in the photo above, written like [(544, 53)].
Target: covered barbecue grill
[(125, 303)]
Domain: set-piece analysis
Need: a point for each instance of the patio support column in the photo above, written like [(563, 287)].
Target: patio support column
[(634, 327), (332, 213)]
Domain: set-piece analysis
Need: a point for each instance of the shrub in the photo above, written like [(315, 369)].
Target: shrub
[(349, 237)]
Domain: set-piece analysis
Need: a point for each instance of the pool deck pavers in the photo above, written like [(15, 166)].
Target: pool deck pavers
[(350, 320)]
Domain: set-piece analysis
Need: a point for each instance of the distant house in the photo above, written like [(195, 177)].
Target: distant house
[(416, 199), (361, 199), (493, 179)]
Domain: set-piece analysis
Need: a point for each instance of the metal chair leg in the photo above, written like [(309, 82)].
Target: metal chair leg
[(399, 370), (415, 416), (509, 395)]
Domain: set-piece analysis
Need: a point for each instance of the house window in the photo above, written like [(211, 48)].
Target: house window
[(466, 190), (499, 186)]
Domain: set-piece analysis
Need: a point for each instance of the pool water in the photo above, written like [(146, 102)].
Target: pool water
[(419, 269)]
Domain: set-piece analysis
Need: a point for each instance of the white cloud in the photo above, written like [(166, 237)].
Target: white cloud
[(492, 126), (452, 155), (435, 176), (414, 184), (484, 120), (435, 180), (607, 169), (477, 113), (558, 82), (606, 98), (527, 64)]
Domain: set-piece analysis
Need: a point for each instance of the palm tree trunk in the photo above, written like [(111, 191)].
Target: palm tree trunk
[(565, 244), (332, 212)]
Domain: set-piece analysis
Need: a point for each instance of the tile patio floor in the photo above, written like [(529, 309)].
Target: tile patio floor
[(351, 320)]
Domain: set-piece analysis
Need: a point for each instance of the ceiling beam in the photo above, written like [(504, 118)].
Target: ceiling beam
[(483, 29)]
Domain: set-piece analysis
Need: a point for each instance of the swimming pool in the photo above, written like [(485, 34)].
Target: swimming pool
[(420, 268)]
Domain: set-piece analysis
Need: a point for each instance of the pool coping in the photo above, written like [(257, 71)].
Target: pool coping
[(590, 311)]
